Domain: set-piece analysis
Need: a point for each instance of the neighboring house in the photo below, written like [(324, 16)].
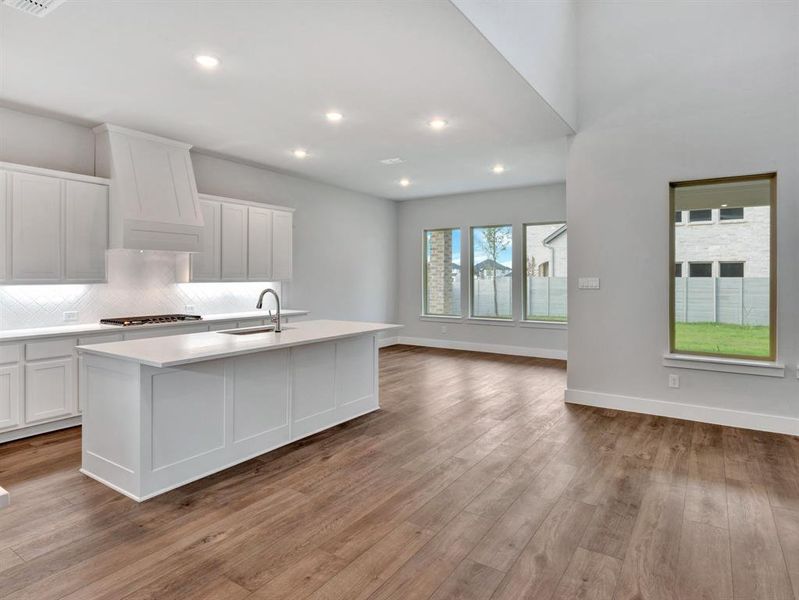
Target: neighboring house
[(489, 267), (547, 254), (557, 243), (727, 242)]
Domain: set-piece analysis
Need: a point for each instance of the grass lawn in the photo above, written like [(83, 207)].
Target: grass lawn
[(721, 338)]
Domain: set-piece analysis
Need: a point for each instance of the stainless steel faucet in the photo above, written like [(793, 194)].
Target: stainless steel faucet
[(276, 319)]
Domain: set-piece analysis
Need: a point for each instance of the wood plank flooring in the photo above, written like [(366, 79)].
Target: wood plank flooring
[(475, 481)]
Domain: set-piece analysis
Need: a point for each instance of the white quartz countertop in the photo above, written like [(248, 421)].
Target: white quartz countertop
[(10, 335), (178, 350)]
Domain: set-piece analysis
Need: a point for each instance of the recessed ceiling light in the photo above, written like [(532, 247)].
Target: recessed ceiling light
[(498, 169), (333, 116), (300, 153), (392, 161), (723, 206), (207, 61), (405, 182), (437, 123)]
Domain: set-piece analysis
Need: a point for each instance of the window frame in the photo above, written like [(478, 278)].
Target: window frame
[(732, 262), (734, 219), (524, 318), (772, 180), (472, 287), (691, 263), (702, 221), (425, 231)]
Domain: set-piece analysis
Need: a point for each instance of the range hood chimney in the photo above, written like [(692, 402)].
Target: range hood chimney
[(153, 199)]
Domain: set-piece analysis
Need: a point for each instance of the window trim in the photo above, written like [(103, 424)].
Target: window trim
[(524, 316), (691, 263), (703, 221), (772, 179), (473, 316), (424, 271)]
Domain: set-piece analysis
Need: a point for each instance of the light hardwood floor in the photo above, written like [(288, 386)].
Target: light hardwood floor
[(475, 481)]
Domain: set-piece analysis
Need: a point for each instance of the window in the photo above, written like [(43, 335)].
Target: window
[(442, 272), (545, 259), (700, 269), (731, 269), (731, 314), (492, 272), (678, 269), (678, 216), (731, 214), (700, 216)]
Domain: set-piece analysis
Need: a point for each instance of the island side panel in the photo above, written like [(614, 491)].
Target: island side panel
[(111, 450), (356, 377)]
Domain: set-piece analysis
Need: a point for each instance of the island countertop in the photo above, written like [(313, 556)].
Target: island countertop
[(172, 351)]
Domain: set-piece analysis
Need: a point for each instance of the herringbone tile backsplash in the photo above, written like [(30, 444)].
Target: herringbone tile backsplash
[(138, 283)]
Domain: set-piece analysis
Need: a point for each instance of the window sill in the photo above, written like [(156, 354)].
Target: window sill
[(447, 318), (545, 324), (724, 365), (491, 321)]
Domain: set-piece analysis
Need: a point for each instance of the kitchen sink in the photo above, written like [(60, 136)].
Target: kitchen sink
[(249, 330)]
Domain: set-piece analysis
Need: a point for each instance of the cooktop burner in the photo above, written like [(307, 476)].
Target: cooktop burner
[(149, 320)]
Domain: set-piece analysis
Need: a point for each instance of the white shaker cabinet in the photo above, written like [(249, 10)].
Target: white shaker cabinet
[(234, 242), (241, 241), (9, 396), (5, 234), (53, 226), (206, 265), (259, 248), (86, 231), (282, 224), (49, 390), (36, 232)]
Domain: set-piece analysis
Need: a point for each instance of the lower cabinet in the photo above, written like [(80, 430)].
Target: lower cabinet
[(9, 396), (49, 391)]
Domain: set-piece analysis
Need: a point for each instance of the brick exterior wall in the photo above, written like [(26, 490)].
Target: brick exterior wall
[(439, 273)]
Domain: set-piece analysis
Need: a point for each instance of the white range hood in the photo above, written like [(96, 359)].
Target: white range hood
[(153, 199)]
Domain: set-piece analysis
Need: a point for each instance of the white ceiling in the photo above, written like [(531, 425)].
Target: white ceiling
[(388, 66)]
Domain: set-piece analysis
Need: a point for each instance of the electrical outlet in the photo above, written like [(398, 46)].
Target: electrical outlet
[(70, 315), (674, 380), (189, 308), (443, 329)]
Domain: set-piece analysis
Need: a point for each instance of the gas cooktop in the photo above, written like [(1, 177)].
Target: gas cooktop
[(149, 320)]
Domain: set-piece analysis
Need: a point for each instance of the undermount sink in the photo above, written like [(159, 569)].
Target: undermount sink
[(249, 330)]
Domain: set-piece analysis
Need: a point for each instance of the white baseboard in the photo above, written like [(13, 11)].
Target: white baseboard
[(689, 412), (5, 498), (481, 347), (386, 341), (24, 432)]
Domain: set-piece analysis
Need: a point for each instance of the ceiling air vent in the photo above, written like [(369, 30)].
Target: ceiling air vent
[(39, 8)]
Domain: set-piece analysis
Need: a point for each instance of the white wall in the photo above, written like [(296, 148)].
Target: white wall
[(344, 242), (539, 40), (515, 206), (675, 91)]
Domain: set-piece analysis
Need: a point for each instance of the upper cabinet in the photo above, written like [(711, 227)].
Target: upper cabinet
[(259, 245), (242, 241), (206, 265), (154, 201), (55, 226), (234, 242)]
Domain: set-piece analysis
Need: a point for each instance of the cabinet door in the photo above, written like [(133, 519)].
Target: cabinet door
[(260, 244), (282, 223), (36, 228), (206, 264), (49, 391), (5, 234), (234, 242), (9, 396), (86, 214)]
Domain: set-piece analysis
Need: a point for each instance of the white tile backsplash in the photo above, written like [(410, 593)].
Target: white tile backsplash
[(139, 283)]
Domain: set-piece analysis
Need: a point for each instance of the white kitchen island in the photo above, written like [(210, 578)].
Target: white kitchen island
[(161, 412)]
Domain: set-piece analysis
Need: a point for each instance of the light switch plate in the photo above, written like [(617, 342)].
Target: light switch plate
[(588, 283), (70, 315), (674, 380)]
